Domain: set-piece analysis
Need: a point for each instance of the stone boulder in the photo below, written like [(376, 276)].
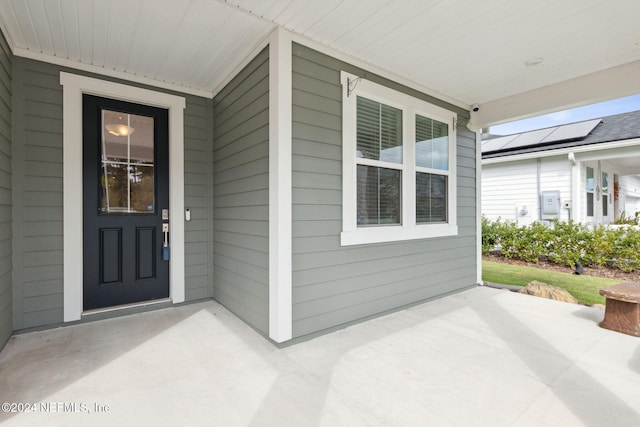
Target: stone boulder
[(543, 290)]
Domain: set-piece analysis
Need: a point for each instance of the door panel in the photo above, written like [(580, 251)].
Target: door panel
[(110, 255), (145, 246), (125, 188)]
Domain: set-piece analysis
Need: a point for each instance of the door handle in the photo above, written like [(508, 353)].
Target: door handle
[(165, 243)]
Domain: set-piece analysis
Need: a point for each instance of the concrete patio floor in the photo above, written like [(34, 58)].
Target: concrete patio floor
[(484, 357)]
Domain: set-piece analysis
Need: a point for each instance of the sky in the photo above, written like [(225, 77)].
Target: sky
[(621, 105)]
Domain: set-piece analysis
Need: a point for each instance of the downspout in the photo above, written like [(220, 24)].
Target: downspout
[(572, 161), (538, 187)]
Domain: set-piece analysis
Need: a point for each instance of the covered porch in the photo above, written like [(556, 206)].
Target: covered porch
[(483, 357)]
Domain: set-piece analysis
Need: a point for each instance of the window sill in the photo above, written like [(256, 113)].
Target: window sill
[(363, 236)]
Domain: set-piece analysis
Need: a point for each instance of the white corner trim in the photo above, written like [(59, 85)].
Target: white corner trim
[(280, 216), (74, 86)]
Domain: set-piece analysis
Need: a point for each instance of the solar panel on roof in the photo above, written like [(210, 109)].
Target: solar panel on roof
[(541, 136), (497, 144), (572, 131), (529, 138)]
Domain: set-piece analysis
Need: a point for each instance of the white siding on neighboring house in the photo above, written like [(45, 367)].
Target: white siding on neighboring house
[(510, 189), (629, 194), (507, 188)]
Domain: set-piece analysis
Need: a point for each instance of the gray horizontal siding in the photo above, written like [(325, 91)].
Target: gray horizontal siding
[(198, 186), (6, 288), (241, 194), (37, 208), (37, 173), (334, 285)]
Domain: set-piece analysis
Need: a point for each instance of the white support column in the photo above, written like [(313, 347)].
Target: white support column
[(280, 250), (478, 134)]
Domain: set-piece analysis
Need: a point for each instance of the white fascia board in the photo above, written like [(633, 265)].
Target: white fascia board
[(596, 148), (280, 208), (601, 86)]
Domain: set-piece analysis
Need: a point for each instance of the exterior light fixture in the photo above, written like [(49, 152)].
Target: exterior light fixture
[(119, 130)]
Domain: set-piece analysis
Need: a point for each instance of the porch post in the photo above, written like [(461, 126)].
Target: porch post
[(280, 234)]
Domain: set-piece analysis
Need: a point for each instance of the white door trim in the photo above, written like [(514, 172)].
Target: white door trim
[(74, 86)]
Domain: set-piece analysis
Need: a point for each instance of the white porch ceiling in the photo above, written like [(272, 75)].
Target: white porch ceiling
[(469, 51)]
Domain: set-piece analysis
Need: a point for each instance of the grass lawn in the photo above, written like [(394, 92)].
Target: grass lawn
[(584, 288)]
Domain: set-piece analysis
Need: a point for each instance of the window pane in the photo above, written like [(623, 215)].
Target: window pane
[(127, 156), (379, 131), (590, 183), (605, 183), (431, 198), (605, 205), (432, 143), (379, 195), (141, 177), (589, 204), (114, 188)]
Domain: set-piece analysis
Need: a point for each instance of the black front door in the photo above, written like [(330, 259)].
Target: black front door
[(125, 191)]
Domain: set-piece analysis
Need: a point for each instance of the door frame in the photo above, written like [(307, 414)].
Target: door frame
[(596, 184), (74, 86)]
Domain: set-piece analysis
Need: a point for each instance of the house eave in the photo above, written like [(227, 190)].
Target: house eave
[(121, 75), (599, 147), (612, 83)]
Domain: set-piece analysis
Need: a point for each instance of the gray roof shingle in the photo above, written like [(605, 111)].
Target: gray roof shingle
[(611, 128)]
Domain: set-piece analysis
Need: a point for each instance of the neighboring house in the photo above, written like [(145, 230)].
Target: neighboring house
[(587, 171), (154, 153)]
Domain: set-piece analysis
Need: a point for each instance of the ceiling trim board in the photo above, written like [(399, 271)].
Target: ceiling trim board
[(382, 72), (74, 65)]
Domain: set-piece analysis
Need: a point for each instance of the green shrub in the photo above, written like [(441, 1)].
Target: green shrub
[(570, 243), (490, 235), (626, 252), (565, 242)]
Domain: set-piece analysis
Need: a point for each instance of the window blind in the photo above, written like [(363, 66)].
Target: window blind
[(379, 134), (431, 198), (378, 195)]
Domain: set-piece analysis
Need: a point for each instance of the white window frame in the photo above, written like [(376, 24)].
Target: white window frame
[(353, 86)]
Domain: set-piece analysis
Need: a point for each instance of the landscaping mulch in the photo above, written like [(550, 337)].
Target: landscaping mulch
[(608, 272)]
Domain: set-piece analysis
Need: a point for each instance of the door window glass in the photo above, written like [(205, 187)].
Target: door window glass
[(590, 187), (605, 193), (127, 164)]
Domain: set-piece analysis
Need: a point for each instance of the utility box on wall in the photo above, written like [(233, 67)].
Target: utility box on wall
[(550, 205)]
